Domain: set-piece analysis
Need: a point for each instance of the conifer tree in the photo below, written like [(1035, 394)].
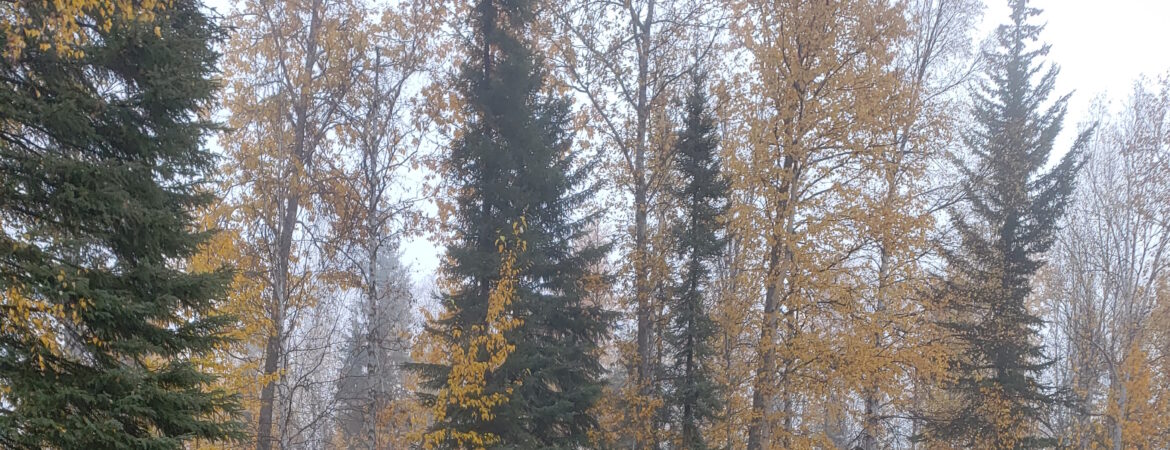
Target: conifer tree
[(102, 166), (374, 353), (520, 193), (702, 194), (1013, 206)]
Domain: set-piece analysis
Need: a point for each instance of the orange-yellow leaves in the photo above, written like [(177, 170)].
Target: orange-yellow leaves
[(38, 320), (831, 234), (61, 25), (486, 349), (1138, 408)]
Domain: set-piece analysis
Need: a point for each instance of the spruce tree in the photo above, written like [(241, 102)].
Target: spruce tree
[(512, 163), (702, 194), (360, 397), (1011, 213), (102, 167)]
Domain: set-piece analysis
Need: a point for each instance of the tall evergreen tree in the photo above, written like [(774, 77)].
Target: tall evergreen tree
[(514, 162), (371, 366), (102, 165), (702, 194), (1012, 210)]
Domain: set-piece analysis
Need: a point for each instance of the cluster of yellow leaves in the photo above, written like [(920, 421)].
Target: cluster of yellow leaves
[(61, 25), (1008, 427), (401, 424), (487, 348), (245, 303), (404, 422), (623, 412), (1139, 406), (288, 66), (830, 224), (734, 343), (37, 320)]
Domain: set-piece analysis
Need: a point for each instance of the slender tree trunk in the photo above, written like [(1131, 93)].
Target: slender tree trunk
[(872, 415), (779, 262), (730, 336), (759, 431), (371, 322), (871, 418), (1117, 428), (916, 422), (868, 437), (645, 308), (690, 432), (373, 245), (641, 281), (273, 351), (729, 340)]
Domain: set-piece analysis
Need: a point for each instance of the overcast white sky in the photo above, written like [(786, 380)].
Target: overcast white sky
[(1101, 46)]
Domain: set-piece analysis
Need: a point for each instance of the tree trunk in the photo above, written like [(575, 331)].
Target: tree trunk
[(759, 431), (273, 351), (1117, 430), (373, 245), (645, 310), (779, 268), (371, 327), (871, 419)]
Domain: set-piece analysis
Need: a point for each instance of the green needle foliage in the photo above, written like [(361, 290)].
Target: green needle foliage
[(1013, 206), (102, 167), (514, 161), (702, 194)]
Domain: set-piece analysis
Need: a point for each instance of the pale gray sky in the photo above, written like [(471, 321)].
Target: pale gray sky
[(1102, 47)]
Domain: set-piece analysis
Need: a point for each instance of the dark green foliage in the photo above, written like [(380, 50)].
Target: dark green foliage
[(514, 160), (1013, 209), (702, 195), (102, 165)]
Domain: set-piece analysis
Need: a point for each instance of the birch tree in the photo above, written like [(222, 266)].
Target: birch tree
[(818, 99), (629, 60), (371, 204), (1105, 289), (289, 70)]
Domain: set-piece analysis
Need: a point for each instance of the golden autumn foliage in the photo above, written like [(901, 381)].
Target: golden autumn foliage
[(32, 319), (826, 104), (485, 349), (1137, 407), (62, 26), (289, 69), (236, 371)]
